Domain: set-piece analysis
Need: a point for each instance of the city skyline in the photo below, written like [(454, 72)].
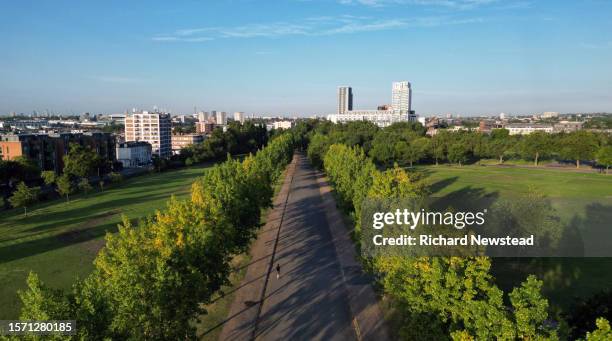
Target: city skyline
[(464, 56)]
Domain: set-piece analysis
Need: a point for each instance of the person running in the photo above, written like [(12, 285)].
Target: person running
[(277, 271)]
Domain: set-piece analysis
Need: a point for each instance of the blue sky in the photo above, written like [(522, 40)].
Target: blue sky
[(287, 57)]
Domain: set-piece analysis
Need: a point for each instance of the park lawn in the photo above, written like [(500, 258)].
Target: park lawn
[(585, 198), (59, 241)]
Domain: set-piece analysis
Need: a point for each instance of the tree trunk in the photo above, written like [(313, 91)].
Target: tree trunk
[(410, 163), (536, 159), (607, 167), (25, 211), (501, 159), (436, 161), (577, 163)]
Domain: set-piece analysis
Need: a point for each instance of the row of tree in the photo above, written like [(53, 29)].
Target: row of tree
[(80, 163), (237, 139), (437, 298), (152, 279), (407, 144)]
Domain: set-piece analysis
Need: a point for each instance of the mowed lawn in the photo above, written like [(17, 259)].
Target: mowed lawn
[(582, 199), (59, 241)]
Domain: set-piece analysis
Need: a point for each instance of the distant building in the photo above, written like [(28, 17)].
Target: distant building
[(239, 116), (283, 124), (181, 141), (400, 110), (152, 127), (134, 154), (550, 114), (486, 126), (567, 126), (48, 150), (401, 98), (528, 128), (221, 118), (116, 118), (28, 124), (345, 99), (203, 116), (382, 118), (205, 127)]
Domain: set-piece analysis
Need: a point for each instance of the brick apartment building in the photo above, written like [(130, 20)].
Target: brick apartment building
[(48, 150)]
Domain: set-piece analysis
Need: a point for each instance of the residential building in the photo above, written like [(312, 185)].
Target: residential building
[(239, 116), (205, 127), (48, 150), (283, 124), (401, 98), (550, 114), (203, 116), (152, 127), (400, 110), (486, 126), (345, 99), (134, 154), (382, 118), (181, 141), (567, 126), (221, 118), (528, 128)]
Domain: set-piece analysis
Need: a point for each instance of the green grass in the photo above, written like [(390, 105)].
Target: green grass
[(584, 199), (59, 241)]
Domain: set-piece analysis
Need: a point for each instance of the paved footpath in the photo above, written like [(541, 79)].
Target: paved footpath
[(321, 293)]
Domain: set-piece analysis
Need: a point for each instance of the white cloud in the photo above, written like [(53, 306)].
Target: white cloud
[(313, 26), (454, 4)]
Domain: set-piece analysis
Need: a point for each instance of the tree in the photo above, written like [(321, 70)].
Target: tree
[(536, 145), (499, 144), (413, 151), (604, 157), (383, 147), (65, 187), (48, 177), (458, 153), (602, 333), (584, 311), (81, 161), (24, 196), (579, 145), (84, 185), (439, 145)]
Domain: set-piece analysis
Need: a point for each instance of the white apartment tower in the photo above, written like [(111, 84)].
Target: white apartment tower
[(345, 99), (221, 118), (152, 127), (239, 116), (202, 116), (401, 98)]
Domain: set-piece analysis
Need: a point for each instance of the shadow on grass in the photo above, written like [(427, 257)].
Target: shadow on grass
[(571, 278), (33, 247)]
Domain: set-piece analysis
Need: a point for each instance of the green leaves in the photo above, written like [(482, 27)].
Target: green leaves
[(24, 196), (152, 278)]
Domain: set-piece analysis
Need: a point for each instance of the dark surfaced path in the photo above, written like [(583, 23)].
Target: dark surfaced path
[(309, 300), (322, 293)]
